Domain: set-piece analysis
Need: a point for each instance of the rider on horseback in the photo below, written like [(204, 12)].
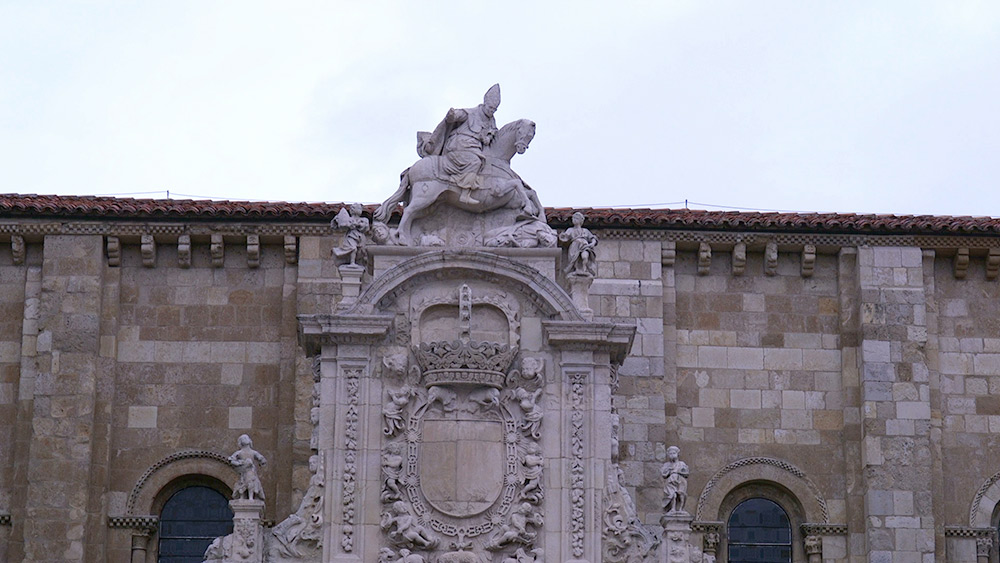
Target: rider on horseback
[(460, 138)]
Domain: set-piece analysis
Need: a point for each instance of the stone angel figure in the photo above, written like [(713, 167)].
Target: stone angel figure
[(247, 462), (582, 256), (350, 220)]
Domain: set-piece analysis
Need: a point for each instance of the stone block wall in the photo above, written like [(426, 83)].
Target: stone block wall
[(865, 386)]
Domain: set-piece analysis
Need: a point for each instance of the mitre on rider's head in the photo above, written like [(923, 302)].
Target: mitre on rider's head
[(492, 97)]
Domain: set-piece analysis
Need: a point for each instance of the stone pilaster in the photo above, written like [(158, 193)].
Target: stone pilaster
[(61, 444), (896, 452)]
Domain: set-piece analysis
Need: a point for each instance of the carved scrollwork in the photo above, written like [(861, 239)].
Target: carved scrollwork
[(626, 540)]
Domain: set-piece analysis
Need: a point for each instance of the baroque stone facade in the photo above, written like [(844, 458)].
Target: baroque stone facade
[(481, 379)]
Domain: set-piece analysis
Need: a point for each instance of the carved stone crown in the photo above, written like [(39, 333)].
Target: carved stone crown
[(464, 362)]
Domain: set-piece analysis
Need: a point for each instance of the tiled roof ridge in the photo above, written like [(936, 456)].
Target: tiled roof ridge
[(54, 206)]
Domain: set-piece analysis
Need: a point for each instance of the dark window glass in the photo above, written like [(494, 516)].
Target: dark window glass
[(191, 519), (759, 532)]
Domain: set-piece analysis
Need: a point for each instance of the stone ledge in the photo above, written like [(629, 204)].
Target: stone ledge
[(146, 523), (967, 532), (314, 330), (823, 529)]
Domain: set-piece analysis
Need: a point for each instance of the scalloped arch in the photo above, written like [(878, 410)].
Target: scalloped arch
[(750, 469), (540, 290)]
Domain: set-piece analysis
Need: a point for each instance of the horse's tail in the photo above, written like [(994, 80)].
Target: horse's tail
[(402, 195)]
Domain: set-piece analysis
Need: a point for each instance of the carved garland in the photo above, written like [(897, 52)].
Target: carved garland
[(703, 499), (350, 458), (576, 465)]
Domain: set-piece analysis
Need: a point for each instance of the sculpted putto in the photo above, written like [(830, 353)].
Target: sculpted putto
[(675, 481), (407, 530), (247, 461), (582, 256)]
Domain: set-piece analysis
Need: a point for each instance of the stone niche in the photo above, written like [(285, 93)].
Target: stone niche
[(464, 411)]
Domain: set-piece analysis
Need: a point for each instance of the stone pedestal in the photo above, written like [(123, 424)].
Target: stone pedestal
[(579, 290), (676, 544), (350, 284), (248, 533)]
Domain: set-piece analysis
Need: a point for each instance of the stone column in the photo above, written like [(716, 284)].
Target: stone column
[(814, 548), (140, 541), (68, 345), (984, 544), (896, 442)]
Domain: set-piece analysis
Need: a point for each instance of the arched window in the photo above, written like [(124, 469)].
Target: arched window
[(189, 521), (759, 531)]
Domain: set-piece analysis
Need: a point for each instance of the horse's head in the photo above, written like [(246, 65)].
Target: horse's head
[(525, 133), (512, 139)]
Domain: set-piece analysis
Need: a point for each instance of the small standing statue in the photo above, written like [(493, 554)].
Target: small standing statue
[(582, 257), (247, 462), (356, 227), (675, 481)]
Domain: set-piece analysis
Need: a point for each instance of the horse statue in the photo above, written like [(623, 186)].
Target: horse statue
[(426, 183)]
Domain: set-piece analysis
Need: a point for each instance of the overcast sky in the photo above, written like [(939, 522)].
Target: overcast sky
[(884, 107)]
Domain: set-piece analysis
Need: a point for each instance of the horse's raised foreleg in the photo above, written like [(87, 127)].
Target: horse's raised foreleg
[(383, 211), (420, 200)]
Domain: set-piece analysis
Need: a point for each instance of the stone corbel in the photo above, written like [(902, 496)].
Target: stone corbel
[(184, 251), (114, 249), (771, 258), (739, 258), (253, 251), (668, 253), (704, 258), (148, 248), (993, 264), (808, 260), (217, 250), (961, 263), (291, 249), (17, 248)]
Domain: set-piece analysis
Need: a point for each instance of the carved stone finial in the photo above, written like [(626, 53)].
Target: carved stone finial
[(675, 481)]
